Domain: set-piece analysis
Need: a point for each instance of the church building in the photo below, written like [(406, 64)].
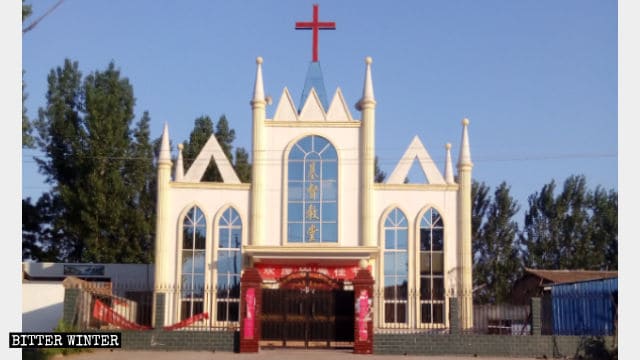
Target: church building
[(311, 220)]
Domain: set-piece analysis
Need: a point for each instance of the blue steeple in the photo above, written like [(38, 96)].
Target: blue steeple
[(314, 80)]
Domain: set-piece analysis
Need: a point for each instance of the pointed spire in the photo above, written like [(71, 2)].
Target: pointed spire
[(179, 165), (448, 167), (367, 91), (165, 150), (465, 152), (258, 90), (314, 80)]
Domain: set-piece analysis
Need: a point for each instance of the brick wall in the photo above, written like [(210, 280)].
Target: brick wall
[(456, 343), (460, 343), (469, 344), (180, 340), (70, 305)]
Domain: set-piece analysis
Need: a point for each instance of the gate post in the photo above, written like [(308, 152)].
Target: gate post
[(363, 322), (250, 309)]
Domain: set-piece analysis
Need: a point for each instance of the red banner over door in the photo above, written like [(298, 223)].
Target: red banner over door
[(277, 271)]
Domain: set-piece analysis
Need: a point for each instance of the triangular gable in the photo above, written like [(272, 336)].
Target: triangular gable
[(312, 109), (211, 150), (416, 151), (338, 110), (286, 110)]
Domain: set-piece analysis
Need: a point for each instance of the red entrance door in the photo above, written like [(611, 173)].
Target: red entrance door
[(308, 310)]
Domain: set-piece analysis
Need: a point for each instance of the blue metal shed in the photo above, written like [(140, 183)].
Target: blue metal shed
[(585, 308)]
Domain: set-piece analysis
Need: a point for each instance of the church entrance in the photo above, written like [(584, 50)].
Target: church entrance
[(308, 310)]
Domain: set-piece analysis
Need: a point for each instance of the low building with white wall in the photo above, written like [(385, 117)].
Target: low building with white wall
[(43, 292)]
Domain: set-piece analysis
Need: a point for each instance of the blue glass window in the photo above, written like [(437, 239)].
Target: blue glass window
[(432, 268), (312, 191), (396, 267), (229, 266), (194, 229)]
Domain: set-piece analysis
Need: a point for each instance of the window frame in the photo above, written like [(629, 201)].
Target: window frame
[(396, 300), (326, 208), (194, 212), (236, 224), (433, 223)]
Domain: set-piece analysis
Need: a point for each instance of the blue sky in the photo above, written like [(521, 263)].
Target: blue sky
[(537, 79)]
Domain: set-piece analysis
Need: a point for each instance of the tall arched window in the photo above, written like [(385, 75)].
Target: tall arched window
[(432, 268), (194, 229), (313, 191), (229, 266), (396, 267)]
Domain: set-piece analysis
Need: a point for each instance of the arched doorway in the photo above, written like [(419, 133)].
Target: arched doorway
[(308, 309)]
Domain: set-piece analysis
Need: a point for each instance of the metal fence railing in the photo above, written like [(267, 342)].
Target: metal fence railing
[(502, 319), (130, 307), (399, 310), (409, 311)]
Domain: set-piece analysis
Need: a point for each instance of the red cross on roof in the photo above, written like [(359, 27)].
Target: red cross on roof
[(315, 25)]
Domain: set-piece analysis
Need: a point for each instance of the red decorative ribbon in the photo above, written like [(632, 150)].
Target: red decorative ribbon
[(106, 314)]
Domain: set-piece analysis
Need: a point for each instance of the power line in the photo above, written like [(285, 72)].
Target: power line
[(384, 160), (36, 21)]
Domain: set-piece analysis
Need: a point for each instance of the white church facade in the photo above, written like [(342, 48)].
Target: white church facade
[(312, 207), (313, 249)]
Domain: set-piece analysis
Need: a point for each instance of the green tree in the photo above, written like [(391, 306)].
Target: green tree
[(40, 240), (26, 10), (480, 200), (605, 225), (27, 129), (96, 165), (496, 264), (140, 174), (242, 165), (576, 236), (225, 136), (379, 175), (541, 232), (577, 229), (202, 131)]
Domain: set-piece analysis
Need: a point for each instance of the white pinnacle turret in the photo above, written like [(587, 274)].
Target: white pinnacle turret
[(258, 175), (367, 90), (258, 89), (448, 167), (165, 150), (179, 166), (465, 152), (465, 279), (367, 106), (163, 272)]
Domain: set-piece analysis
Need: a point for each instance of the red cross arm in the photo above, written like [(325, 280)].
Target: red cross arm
[(304, 25), (314, 26)]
